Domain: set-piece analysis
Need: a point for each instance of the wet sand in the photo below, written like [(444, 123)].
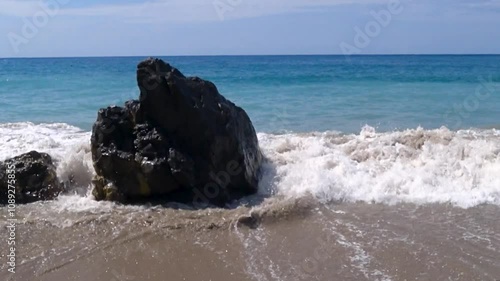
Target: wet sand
[(278, 240)]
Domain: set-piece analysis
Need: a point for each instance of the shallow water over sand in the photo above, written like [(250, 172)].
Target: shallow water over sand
[(280, 239)]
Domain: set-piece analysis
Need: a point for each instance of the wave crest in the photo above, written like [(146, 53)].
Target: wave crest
[(412, 166)]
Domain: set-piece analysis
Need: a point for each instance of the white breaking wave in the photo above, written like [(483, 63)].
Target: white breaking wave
[(412, 166), (69, 147)]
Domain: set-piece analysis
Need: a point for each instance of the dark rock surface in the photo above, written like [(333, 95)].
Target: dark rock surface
[(35, 178), (182, 141)]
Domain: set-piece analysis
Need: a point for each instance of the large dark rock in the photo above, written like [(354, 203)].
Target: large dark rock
[(182, 141), (33, 175)]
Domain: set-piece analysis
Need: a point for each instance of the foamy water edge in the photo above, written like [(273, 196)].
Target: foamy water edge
[(412, 166)]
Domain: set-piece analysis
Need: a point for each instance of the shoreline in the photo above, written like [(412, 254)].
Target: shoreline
[(346, 240)]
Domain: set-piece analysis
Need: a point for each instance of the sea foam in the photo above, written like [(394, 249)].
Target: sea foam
[(69, 147), (411, 166)]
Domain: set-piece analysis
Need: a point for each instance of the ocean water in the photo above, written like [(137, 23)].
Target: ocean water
[(293, 93), (378, 168)]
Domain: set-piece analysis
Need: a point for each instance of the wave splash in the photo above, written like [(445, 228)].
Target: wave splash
[(411, 166), (69, 147)]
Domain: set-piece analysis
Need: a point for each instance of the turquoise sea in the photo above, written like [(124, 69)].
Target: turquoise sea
[(376, 168), (280, 93)]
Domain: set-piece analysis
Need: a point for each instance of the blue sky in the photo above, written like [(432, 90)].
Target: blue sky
[(230, 27)]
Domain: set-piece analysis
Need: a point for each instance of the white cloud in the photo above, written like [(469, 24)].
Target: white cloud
[(18, 8), (179, 10), (483, 4), (206, 10)]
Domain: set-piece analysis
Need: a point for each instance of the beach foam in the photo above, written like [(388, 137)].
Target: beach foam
[(69, 147), (412, 166)]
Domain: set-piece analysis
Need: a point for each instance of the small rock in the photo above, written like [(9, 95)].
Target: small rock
[(35, 178)]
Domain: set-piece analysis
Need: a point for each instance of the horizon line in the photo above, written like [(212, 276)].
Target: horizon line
[(257, 55)]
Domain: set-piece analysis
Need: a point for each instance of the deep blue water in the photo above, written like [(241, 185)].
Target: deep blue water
[(294, 93)]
